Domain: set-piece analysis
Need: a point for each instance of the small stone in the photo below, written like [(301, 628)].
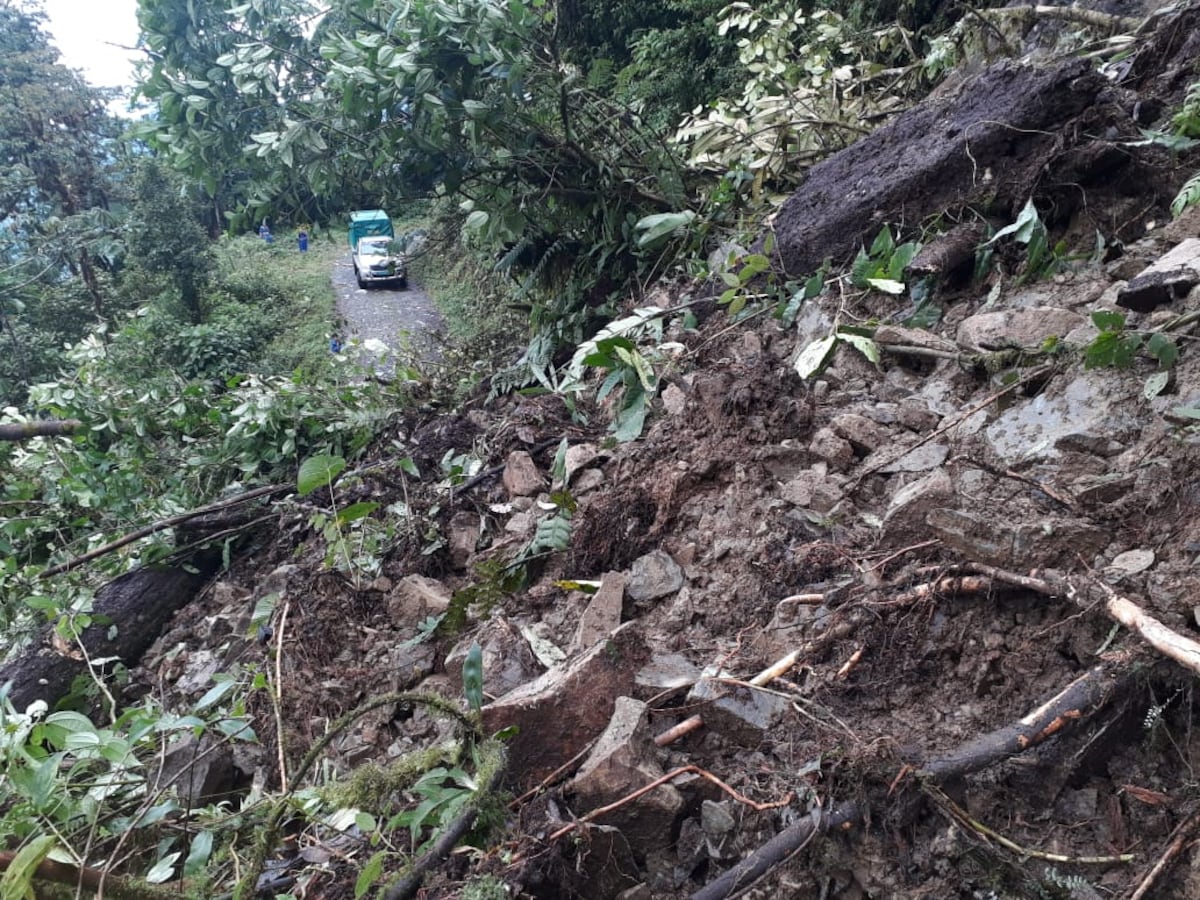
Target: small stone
[(834, 450), (415, 597), (1027, 327), (577, 457), (562, 710), (904, 519), (521, 475), (665, 672), (588, 480), (915, 415), (674, 400), (653, 576), (1131, 562), (1165, 281), (921, 459), (463, 538), (863, 434)]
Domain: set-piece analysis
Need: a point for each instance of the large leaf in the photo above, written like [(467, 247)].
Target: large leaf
[(318, 472), (660, 226)]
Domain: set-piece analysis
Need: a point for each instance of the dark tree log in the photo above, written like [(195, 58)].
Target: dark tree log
[(138, 604), (14, 431)]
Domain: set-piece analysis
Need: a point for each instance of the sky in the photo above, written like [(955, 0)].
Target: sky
[(84, 31)]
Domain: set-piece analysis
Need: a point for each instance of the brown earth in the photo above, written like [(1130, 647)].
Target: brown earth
[(849, 518)]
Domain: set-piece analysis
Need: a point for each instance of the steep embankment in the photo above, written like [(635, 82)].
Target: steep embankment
[(930, 535)]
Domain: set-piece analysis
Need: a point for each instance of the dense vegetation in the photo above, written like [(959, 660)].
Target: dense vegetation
[(571, 153)]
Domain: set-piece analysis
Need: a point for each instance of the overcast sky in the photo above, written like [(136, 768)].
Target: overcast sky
[(85, 32)]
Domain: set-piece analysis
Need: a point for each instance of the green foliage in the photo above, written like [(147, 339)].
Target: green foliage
[(1117, 348), (813, 359), (79, 789), (882, 268), (808, 90), (1188, 196), (472, 675)]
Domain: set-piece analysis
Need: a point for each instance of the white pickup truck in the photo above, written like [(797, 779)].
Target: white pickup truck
[(378, 261)]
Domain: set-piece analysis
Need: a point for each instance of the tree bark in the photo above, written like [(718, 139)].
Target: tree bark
[(138, 605), (20, 431)]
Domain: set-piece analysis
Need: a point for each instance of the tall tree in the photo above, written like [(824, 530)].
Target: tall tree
[(58, 146)]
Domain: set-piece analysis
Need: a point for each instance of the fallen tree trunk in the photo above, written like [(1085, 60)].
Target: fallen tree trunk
[(1083, 697), (138, 605), (19, 431)]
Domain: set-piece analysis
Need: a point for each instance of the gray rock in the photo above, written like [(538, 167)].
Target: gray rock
[(653, 576), (920, 459), (462, 538), (904, 519), (914, 414), (561, 711), (200, 769), (996, 540), (863, 434), (1027, 327), (579, 457), (665, 672), (834, 450), (603, 613), (674, 400), (738, 712)]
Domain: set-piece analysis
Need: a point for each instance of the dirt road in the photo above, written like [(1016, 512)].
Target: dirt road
[(406, 321)]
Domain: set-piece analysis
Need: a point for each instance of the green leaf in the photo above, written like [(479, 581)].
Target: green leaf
[(1108, 320), (355, 511), (318, 472), (1163, 348), (661, 226), (408, 467), (18, 878), (473, 677), (198, 856), (369, 874), (887, 285), (1022, 228), (862, 344)]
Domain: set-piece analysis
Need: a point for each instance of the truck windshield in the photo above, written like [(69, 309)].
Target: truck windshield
[(373, 248)]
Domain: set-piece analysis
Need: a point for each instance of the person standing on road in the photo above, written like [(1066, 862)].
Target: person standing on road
[(302, 241)]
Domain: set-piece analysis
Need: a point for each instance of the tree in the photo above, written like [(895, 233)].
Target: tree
[(166, 236), (59, 150)]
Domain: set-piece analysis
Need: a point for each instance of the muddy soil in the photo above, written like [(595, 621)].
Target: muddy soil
[(935, 536)]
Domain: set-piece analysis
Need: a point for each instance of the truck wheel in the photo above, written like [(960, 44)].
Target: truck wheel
[(359, 279), (403, 283)]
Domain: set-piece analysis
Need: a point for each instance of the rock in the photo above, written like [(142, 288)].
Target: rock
[(523, 524), (653, 576), (620, 763), (277, 582), (920, 459), (1090, 412), (416, 597), (507, 660), (1027, 327), (521, 476), (834, 450), (1131, 562), (863, 434), (588, 480), (737, 711), (898, 336), (915, 415), (1165, 281), (579, 457), (1100, 489), (665, 672), (200, 770), (463, 538), (674, 400), (561, 711), (603, 613), (1048, 542), (904, 520)]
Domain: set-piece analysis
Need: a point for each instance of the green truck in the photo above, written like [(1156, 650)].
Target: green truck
[(377, 260)]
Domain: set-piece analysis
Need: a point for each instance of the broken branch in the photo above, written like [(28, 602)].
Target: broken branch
[(20, 431)]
